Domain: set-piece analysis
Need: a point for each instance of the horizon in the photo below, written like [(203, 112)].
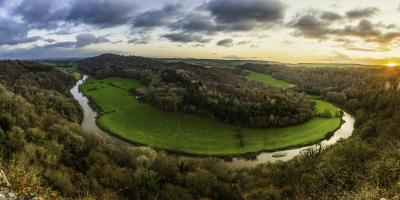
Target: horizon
[(265, 30), (190, 58)]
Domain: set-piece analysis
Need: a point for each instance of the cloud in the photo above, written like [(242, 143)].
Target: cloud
[(311, 26), (41, 52), (225, 43), (362, 12), (364, 29), (58, 49), (244, 42), (196, 22), (379, 49), (239, 12), (159, 17), (185, 38), (12, 33), (102, 13), (330, 16), (139, 40), (239, 15), (235, 57), (60, 45), (231, 16), (368, 31), (40, 13), (48, 14), (82, 40)]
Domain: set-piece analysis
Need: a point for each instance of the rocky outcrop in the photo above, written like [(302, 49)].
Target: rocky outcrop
[(5, 192)]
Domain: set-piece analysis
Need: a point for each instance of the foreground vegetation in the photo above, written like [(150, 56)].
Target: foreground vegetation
[(44, 152)]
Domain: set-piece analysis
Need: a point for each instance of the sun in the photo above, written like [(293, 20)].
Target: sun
[(391, 64)]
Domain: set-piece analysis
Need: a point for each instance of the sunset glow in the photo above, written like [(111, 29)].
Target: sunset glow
[(288, 31)]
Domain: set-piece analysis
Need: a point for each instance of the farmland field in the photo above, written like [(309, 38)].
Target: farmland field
[(125, 117), (268, 79)]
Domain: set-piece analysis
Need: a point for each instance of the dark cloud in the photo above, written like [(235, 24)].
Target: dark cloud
[(82, 40), (196, 22), (49, 13), (369, 32), (185, 38), (330, 16), (225, 43), (60, 45), (364, 29), (311, 26), (384, 38), (40, 13), (12, 33), (102, 13), (362, 13), (232, 15), (41, 52), (239, 11), (57, 49), (239, 15), (159, 17), (139, 40), (244, 42)]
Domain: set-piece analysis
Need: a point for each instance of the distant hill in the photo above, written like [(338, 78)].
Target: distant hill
[(215, 62), (106, 62)]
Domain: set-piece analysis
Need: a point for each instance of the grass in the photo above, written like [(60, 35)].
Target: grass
[(70, 69), (124, 116), (320, 105), (269, 80)]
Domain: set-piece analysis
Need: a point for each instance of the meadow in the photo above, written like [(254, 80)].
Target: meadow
[(268, 79), (130, 119)]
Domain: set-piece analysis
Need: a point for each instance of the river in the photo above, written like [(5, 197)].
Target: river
[(345, 131)]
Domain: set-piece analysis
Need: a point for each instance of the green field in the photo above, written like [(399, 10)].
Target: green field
[(138, 122), (268, 79), (71, 69), (320, 105)]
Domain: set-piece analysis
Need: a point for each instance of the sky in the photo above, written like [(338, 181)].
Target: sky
[(290, 31)]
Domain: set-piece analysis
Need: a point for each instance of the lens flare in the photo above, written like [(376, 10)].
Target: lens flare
[(391, 64)]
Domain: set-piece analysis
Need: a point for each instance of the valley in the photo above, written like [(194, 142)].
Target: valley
[(123, 115), (199, 100)]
